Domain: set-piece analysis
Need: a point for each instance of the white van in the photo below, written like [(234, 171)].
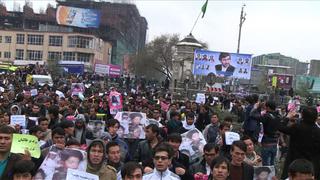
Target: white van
[(42, 80)]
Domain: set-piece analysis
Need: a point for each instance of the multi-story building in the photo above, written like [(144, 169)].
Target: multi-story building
[(122, 32), (314, 68), (41, 46), (184, 56), (277, 65)]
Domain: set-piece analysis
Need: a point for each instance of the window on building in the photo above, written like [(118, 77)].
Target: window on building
[(55, 40), (72, 41), (7, 39), (20, 38), (69, 56), (35, 39), (80, 42), (0, 39), (83, 57), (19, 54), (34, 55), (7, 54), (54, 56), (0, 54)]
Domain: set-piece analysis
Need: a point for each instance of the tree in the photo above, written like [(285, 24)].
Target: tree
[(155, 61), (53, 67), (303, 88)]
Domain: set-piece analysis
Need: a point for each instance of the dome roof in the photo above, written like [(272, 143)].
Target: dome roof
[(189, 41)]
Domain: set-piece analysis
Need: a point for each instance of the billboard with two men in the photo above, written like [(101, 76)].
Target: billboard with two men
[(222, 64)]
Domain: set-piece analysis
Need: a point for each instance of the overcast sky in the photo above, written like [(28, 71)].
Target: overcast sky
[(289, 27)]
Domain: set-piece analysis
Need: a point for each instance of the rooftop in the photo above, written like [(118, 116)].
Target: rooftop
[(189, 41)]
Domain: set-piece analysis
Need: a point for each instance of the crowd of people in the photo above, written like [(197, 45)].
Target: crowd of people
[(59, 119)]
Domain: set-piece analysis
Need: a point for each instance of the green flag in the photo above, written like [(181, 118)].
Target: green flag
[(204, 8)]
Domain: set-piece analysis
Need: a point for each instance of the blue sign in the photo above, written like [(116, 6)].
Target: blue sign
[(222, 64), (73, 68), (79, 17)]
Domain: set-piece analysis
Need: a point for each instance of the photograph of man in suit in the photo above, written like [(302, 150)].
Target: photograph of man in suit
[(225, 69)]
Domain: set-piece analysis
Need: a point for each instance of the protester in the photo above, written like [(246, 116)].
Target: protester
[(162, 159), (68, 127), (58, 140), (211, 131), (44, 125), (145, 149), (180, 161), (23, 170), (202, 167), (220, 169), (8, 159), (96, 153), (80, 131), (174, 124), (239, 170), (113, 155), (113, 126), (131, 171), (250, 125), (252, 158), (304, 139), (301, 169), (270, 121)]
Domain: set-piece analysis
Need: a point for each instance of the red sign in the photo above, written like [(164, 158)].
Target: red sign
[(283, 81)]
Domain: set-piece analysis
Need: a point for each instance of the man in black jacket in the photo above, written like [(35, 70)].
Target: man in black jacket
[(239, 170), (201, 168), (270, 120), (180, 161), (304, 139), (144, 152)]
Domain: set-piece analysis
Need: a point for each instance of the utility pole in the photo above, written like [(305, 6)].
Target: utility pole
[(242, 19)]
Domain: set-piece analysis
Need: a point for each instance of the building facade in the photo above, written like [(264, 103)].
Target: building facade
[(40, 46), (122, 32), (183, 59), (314, 68), (276, 65)]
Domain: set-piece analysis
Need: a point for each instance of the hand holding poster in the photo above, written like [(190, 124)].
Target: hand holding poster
[(34, 92), (201, 98), (80, 175), (192, 144), (115, 102), (131, 125), (231, 136), (18, 119), (96, 127), (264, 173), (56, 164), (22, 142), (77, 88)]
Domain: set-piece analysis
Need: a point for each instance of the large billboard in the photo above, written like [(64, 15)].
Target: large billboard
[(79, 17), (222, 64)]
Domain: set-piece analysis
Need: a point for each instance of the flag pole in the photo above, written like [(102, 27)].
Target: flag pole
[(195, 22)]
